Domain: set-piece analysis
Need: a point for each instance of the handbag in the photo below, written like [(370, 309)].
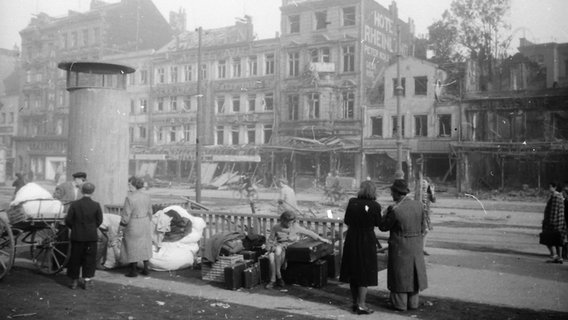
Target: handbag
[(551, 238)]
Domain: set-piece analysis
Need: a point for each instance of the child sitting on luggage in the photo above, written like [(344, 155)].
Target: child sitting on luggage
[(282, 235)]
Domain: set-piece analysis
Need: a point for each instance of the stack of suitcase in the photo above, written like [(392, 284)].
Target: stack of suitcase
[(308, 263)]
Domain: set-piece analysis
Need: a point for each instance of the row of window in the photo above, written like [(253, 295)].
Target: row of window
[(309, 107), (420, 86), (250, 66), (224, 135), (319, 20), (80, 38), (223, 105), (444, 122)]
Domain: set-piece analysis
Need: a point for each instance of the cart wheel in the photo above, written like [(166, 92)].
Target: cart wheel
[(51, 248), (7, 248)]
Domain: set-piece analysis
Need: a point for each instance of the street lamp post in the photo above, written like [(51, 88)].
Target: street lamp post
[(398, 173), (198, 123)]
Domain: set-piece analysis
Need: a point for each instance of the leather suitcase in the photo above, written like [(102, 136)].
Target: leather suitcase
[(234, 276), (333, 265), (251, 276), (308, 250), (309, 274), (264, 264)]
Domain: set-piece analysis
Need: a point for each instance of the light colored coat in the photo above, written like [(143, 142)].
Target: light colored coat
[(137, 221)]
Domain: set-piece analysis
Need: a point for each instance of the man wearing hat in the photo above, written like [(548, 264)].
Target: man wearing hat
[(406, 273), (70, 190)]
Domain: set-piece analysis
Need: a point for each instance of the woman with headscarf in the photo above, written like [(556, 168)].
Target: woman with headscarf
[(136, 223), (359, 260)]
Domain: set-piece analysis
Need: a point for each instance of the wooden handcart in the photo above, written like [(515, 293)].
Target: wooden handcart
[(44, 234)]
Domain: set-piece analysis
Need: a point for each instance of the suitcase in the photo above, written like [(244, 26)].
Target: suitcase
[(251, 276), (308, 250), (333, 265), (234, 276), (264, 264), (250, 255), (309, 274)]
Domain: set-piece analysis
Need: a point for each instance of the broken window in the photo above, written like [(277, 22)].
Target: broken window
[(267, 133), (534, 125), (349, 16), (560, 125), (251, 134), (348, 58), (377, 126), (420, 86), (219, 135), (236, 104), (294, 23), (235, 134), (220, 101), (314, 106), (293, 106), (268, 101), (445, 125), (348, 105), (321, 20), (421, 126)]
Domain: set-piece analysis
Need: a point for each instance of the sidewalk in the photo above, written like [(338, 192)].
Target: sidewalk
[(469, 284)]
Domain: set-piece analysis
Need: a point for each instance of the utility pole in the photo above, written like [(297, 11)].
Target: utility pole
[(398, 173), (198, 123)]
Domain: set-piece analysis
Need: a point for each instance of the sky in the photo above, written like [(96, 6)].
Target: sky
[(539, 21)]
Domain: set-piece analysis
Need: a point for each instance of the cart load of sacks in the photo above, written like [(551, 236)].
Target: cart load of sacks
[(175, 237)]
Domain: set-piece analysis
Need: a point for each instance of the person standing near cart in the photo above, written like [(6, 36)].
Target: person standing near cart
[(136, 226), (70, 190), (83, 218)]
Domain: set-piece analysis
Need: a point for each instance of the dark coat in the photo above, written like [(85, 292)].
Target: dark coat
[(406, 265), (359, 261), (83, 218)]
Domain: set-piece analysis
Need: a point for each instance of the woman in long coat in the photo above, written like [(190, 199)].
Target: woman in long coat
[(359, 261), (406, 274), (554, 225), (136, 222)]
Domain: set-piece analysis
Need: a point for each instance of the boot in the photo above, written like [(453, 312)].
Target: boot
[(133, 272), (145, 271)]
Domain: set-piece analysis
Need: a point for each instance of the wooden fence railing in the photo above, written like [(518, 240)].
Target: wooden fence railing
[(217, 221)]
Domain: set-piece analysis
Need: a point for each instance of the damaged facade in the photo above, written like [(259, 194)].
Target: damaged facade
[(515, 135), (315, 99)]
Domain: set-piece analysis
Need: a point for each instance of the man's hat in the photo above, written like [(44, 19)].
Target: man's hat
[(80, 175), (400, 186)]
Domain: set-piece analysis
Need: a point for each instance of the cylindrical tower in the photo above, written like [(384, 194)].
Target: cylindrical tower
[(98, 142)]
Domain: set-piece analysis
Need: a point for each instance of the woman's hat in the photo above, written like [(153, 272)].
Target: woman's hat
[(400, 186)]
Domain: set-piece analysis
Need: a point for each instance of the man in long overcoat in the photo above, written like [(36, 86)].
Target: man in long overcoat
[(406, 273)]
